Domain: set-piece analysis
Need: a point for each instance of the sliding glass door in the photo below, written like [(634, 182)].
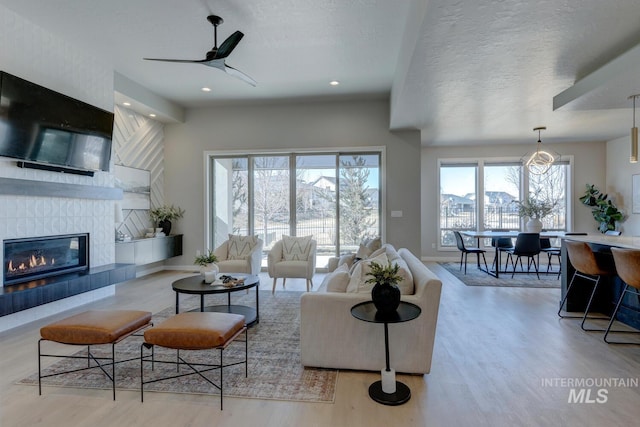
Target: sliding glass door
[(334, 197)]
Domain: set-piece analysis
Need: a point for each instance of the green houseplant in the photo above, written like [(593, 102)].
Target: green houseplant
[(206, 259), (385, 293), (163, 215), (604, 211), (208, 267)]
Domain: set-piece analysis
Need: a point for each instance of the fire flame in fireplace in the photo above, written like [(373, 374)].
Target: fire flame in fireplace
[(34, 262)]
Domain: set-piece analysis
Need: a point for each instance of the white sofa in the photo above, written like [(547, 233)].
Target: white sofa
[(330, 337)]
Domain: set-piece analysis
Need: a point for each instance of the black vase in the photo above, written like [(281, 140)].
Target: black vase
[(165, 224), (386, 297)]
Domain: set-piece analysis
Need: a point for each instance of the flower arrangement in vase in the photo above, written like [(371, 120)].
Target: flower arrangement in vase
[(535, 209), (385, 293), (163, 215)]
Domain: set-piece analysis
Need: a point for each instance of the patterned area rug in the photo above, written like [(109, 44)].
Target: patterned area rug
[(275, 371), (475, 277)]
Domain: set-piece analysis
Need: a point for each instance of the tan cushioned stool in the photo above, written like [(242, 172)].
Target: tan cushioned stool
[(96, 326), (93, 327), (195, 331)]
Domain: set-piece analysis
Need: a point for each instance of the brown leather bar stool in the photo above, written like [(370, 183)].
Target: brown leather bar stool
[(586, 267), (628, 267)]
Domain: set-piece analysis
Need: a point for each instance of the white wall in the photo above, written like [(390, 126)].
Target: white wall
[(619, 177), (32, 53), (590, 160), (290, 126)]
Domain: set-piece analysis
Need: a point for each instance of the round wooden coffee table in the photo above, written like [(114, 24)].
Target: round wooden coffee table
[(195, 285)]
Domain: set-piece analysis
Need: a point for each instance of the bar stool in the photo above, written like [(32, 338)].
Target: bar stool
[(587, 267), (628, 267)]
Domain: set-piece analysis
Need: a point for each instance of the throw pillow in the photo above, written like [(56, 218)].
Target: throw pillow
[(360, 274), (296, 248), (347, 260), (367, 247), (406, 283), (239, 247), (338, 280)]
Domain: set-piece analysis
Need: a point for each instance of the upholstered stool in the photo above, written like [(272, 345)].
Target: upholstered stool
[(194, 331), (587, 267), (94, 327), (628, 267)]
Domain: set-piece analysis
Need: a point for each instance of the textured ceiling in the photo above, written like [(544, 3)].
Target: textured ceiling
[(464, 72)]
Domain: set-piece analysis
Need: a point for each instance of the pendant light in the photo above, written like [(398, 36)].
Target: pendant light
[(634, 134), (539, 161)]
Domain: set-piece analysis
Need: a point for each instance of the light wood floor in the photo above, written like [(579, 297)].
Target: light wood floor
[(494, 349)]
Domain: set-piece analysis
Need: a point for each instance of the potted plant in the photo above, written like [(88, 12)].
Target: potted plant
[(207, 263), (385, 293), (604, 211), (535, 209), (163, 215)]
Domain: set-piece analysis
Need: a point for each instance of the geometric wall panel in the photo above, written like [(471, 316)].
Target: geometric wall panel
[(138, 142)]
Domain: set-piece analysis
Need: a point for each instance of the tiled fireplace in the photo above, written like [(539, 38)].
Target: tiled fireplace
[(33, 258)]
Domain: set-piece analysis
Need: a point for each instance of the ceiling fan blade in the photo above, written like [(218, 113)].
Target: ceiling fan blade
[(229, 44), (220, 65), (175, 60), (239, 74)]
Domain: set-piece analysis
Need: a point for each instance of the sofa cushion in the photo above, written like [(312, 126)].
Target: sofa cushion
[(337, 281), (240, 247), (368, 246), (346, 259), (406, 283), (360, 274), (296, 248)]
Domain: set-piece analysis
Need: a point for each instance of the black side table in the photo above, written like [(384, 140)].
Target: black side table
[(367, 312)]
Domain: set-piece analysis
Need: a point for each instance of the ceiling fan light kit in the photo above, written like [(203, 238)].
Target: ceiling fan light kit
[(215, 58), (634, 134), (539, 161)]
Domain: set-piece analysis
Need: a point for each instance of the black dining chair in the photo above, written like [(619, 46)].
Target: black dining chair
[(465, 251), (501, 244), (527, 245)]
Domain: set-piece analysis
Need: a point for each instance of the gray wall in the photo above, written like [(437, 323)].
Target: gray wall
[(311, 125), (590, 161), (619, 178)]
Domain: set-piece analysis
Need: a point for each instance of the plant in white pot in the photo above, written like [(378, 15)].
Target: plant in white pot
[(207, 263), (535, 209)]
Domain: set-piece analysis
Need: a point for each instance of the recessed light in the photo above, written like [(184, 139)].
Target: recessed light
[(126, 104), (152, 115), (206, 89), (334, 83)]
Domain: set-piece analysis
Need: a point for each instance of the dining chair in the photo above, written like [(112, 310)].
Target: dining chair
[(527, 245), (587, 267), (500, 243), (627, 263), (465, 251)]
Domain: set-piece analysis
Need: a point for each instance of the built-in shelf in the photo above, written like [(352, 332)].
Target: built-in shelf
[(147, 251)]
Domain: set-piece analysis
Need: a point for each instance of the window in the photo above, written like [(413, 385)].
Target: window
[(500, 183), (333, 196)]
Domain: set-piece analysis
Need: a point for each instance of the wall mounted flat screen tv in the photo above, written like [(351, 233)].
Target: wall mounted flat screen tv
[(48, 128)]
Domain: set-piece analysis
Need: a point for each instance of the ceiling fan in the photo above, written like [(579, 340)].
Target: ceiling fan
[(216, 56)]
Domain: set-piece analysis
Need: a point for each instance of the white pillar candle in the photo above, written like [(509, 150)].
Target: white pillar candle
[(388, 381), (209, 276)]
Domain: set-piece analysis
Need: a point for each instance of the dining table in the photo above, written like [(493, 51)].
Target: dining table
[(504, 234)]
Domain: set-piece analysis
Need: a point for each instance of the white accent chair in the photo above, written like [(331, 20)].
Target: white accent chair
[(292, 257), (240, 254)]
